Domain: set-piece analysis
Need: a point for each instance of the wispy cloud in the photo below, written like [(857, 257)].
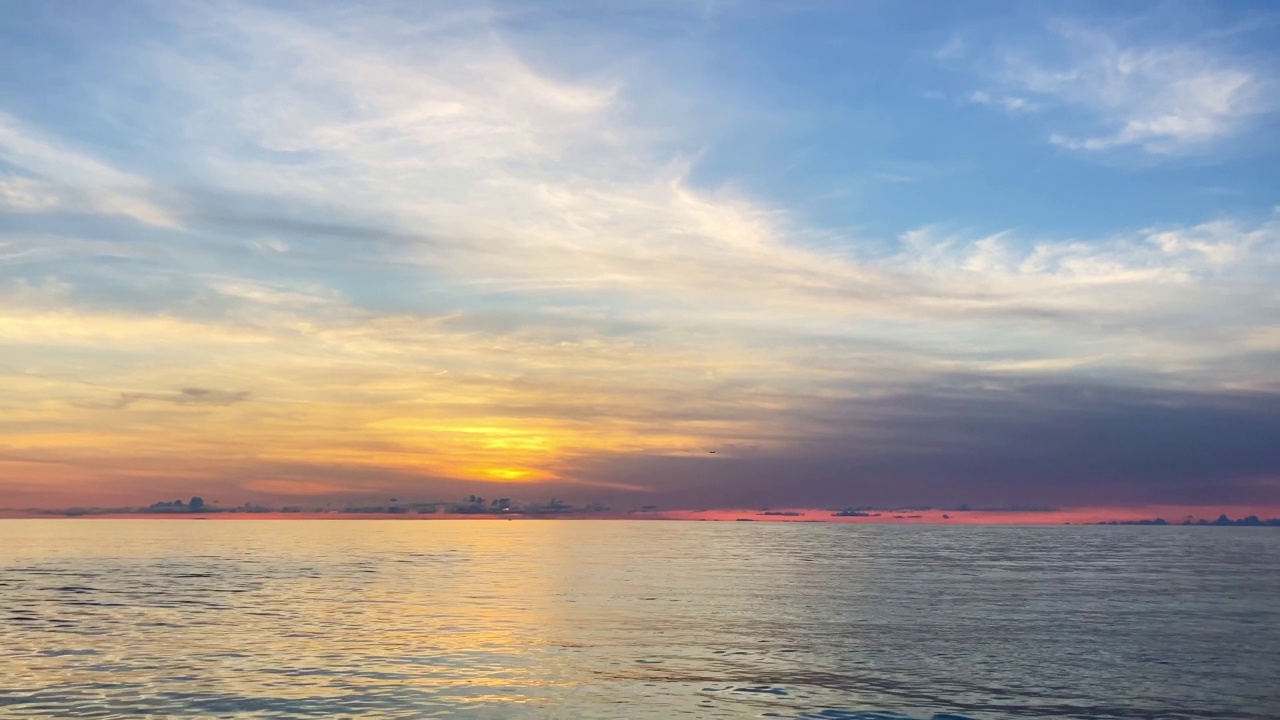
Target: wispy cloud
[(1010, 103), (185, 396), (1164, 98), (63, 178)]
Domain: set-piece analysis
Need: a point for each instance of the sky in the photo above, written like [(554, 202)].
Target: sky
[(689, 254)]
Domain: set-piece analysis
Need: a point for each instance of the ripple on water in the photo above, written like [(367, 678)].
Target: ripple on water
[(639, 620)]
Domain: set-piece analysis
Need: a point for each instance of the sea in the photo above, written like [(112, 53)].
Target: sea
[(582, 619)]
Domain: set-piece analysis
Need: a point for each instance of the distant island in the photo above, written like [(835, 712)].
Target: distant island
[(1223, 520), (504, 507), (471, 505)]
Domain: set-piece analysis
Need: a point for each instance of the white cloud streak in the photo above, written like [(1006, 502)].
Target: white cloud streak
[(67, 179), (1162, 98)]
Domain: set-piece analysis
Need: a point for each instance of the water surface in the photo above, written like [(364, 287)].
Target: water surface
[(612, 619)]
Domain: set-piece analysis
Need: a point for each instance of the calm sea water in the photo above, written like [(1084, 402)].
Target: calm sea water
[(585, 619)]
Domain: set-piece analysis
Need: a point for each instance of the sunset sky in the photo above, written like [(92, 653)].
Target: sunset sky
[(1009, 254)]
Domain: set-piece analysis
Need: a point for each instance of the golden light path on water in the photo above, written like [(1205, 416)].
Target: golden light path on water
[(597, 620)]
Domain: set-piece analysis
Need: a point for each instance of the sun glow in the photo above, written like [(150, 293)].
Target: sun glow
[(510, 474)]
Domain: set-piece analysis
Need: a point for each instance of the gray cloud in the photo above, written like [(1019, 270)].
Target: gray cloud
[(976, 441), (185, 396)]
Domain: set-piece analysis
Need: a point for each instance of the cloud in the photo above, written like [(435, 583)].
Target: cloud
[(185, 396), (61, 177), (955, 47), (304, 488), (987, 440), (1164, 98), (18, 194), (439, 260), (556, 397), (1011, 103)]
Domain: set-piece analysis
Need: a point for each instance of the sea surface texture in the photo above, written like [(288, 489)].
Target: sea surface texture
[(611, 619)]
